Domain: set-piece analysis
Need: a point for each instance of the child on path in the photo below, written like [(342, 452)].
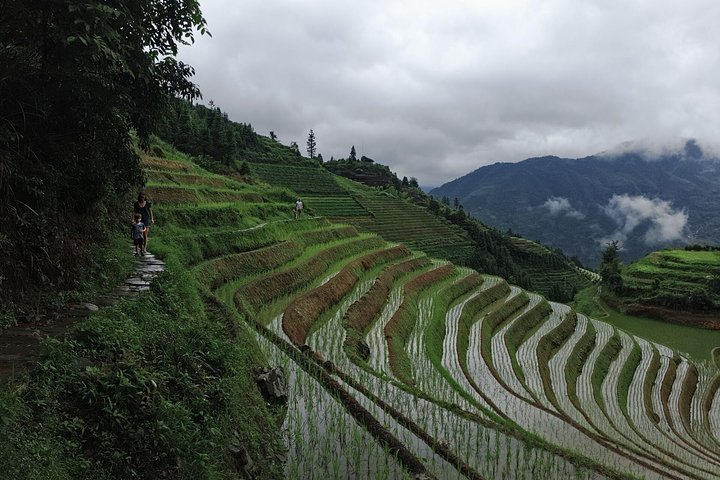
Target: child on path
[(137, 232), (298, 208), (144, 208)]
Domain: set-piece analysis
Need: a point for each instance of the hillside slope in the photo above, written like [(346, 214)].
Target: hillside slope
[(682, 286), (396, 209), (401, 364), (646, 200)]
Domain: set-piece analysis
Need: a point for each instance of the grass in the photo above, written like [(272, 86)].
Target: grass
[(139, 385), (157, 386), (678, 279), (259, 293), (695, 342)]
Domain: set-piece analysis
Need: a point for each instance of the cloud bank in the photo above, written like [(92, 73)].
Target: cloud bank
[(630, 213), (561, 205), (438, 89)]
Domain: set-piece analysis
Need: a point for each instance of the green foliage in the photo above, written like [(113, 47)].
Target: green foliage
[(561, 293), (367, 172), (610, 268), (207, 132), (244, 169), (149, 389), (77, 77)]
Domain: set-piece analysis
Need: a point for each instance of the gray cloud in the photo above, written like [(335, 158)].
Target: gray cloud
[(436, 91), (561, 205), (664, 223)]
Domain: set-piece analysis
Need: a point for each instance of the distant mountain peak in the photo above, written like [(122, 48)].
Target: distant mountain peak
[(645, 193)]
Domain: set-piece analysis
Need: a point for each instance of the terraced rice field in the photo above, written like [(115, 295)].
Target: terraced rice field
[(397, 220), (401, 365), (301, 179), (679, 271), (336, 207), (545, 278)]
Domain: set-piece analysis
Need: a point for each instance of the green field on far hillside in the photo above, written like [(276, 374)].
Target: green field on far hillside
[(698, 343), (679, 280)]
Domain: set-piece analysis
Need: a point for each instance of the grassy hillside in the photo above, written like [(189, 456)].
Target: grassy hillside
[(670, 284), (161, 385)]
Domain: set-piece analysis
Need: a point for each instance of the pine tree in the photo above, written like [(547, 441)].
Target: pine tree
[(353, 155), (311, 144)]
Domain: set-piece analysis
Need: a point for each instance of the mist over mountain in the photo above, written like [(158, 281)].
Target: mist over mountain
[(647, 195)]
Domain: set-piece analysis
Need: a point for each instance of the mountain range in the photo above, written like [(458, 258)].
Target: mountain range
[(645, 197)]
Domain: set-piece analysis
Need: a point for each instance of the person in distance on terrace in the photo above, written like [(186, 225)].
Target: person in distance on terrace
[(144, 208), (298, 208)]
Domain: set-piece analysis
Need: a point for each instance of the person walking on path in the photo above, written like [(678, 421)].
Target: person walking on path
[(298, 208), (137, 232), (144, 208)]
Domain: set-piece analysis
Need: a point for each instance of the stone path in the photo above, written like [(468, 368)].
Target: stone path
[(19, 344)]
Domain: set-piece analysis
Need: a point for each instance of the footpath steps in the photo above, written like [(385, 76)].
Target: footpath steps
[(19, 345)]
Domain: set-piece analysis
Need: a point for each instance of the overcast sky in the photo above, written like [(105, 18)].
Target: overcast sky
[(436, 89)]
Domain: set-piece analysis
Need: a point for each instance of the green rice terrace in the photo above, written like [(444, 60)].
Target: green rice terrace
[(341, 200), (669, 283), (401, 365)]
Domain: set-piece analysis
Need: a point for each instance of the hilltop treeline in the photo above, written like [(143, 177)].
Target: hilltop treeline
[(208, 134), (80, 81)]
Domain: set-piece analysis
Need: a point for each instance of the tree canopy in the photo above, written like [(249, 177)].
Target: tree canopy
[(78, 79), (610, 267)]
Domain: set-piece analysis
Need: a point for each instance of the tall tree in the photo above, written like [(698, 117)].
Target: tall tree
[(610, 267), (353, 155), (311, 144)]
